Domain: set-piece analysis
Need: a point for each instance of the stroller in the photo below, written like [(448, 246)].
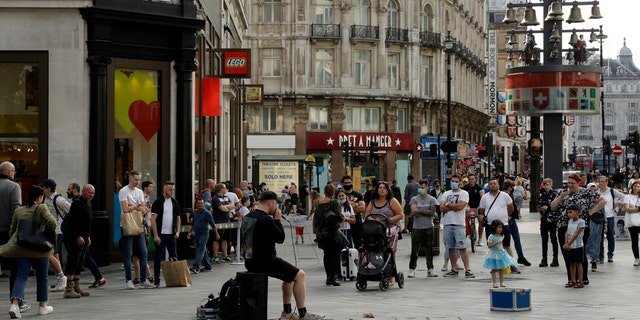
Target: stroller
[(377, 261)]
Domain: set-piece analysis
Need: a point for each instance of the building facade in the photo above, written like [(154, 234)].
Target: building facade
[(362, 71)]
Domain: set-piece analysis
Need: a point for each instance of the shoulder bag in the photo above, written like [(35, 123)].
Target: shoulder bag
[(34, 236), (485, 222)]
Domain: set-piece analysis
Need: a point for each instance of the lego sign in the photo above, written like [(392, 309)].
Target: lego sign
[(236, 63)]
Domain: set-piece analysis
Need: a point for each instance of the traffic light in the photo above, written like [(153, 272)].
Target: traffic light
[(356, 156), (433, 150), (633, 142), (345, 148), (535, 147), (607, 146), (373, 148), (515, 152)]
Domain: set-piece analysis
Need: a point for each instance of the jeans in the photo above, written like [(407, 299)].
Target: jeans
[(201, 250), (92, 265), (515, 235), (548, 230), (168, 242), (41, 265), (592, 246), (137, 244), (611, 242), (421, 238)]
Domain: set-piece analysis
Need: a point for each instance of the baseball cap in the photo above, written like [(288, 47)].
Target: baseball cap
[(48, 183), (269, 195)]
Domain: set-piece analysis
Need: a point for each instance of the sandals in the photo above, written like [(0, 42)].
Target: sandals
[(570, 284), (578, 285), (502, 285), (495, 285)]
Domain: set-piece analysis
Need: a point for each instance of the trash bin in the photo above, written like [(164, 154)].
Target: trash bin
[(100, 238)]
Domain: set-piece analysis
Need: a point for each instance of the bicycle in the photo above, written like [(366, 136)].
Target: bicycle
[(472, 215)]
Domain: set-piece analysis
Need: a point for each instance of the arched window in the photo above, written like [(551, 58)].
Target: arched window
[(426, 19), (362, 12), (393, 18)]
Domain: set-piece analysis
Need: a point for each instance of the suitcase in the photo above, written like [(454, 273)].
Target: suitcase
[(349, 263), (510, 299)]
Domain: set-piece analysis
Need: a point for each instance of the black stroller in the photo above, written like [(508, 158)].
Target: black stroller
[(377, 261)]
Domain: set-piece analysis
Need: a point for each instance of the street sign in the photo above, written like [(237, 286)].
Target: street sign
[(617, 151)]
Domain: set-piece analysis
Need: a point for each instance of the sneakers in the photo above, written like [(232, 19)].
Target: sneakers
[(147, 285), (129, 285), (469, 275), (594, 266), (14, 312), (206, 269), (24, 306), (98, 283), (311, 316), (554, 263), (479, 244), (444, 267), (194, 270), (45, 310), (543, 263), (431, 273), (412, 273), (216, 260), (289, 316), (451, 273), (227, 259), (61, 284), (515, 270), (136, 281), (636, 263)]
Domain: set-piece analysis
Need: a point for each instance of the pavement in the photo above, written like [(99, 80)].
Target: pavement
[(610, 294)]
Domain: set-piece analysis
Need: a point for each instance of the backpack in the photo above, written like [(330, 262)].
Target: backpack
[(229, 300), (330, 220)]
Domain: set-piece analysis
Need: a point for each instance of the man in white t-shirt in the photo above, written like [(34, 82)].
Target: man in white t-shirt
[(452, 205), (496, 205)]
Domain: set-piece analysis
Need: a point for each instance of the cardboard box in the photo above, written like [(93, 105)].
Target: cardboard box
[(510, 299)]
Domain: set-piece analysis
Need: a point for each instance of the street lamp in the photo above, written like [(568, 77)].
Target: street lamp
[(449, 47), (600, 38)]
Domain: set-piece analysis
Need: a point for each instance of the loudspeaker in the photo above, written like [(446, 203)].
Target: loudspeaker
[(253, 295)]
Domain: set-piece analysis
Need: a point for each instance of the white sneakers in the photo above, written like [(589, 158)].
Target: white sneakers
[(431, 273), (129, 285), (412, 273), (61, 284), (146, 285), (636, 263), (14, 312), (45, 310)]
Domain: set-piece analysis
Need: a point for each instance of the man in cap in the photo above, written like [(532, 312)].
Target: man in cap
[(58, 207), (261, 230)]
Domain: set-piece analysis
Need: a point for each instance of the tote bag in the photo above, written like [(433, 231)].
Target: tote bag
[(132, 223)]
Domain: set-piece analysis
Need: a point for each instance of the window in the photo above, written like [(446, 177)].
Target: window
[(363, 119), (633, 105), (272, 10), (633, 128), (318, 118), (402, 120), (608, 105), (362, 65), (633, 118), (393, 20), (271, 62), (324, 66), (269, 117), (584, 120), (324, 12), (608, 122), (426, 19), (393, 64), (426, 75), (362, 12), (624, 88)]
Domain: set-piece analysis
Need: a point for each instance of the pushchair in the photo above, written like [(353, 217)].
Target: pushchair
[(377, 261)]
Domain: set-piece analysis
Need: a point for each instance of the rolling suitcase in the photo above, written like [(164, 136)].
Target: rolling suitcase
[(349, 263)]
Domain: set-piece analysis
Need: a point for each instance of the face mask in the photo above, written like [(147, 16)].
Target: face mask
[(347, 187), (69, 195), (454, 185), (342, 201), (422, 191)]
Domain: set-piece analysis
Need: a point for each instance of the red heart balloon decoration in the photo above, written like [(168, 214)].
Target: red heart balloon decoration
[(146, 117)]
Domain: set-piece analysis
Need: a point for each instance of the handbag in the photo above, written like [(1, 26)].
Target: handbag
[(597, 217), (176, 273), (633, 220), (34, 236), (132, 223)]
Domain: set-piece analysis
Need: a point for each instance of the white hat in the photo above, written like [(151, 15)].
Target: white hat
[(591, 185)]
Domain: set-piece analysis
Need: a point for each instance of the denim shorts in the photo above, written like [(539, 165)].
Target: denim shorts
[(455, 236)]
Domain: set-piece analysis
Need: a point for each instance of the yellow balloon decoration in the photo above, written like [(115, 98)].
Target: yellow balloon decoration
[(130, 86)]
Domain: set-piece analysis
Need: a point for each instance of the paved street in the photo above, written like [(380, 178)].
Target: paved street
[(612, 294)]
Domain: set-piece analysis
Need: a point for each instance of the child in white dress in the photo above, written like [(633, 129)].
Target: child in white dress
[(497, 259)]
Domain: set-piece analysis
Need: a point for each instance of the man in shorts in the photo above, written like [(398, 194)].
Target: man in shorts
[(261, 230)]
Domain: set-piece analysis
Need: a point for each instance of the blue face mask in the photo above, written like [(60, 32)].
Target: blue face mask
[(454, 185), (422, 191), (342, 201)]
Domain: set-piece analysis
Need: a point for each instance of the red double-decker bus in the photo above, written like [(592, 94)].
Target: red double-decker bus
[(584, 162)]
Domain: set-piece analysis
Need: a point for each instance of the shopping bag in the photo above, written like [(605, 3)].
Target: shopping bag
[(131, 223), (176, 273)]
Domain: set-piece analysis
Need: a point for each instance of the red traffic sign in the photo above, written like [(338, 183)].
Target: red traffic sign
[(617, 151), (419, 147)]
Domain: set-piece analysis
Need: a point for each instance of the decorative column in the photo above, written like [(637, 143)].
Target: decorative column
[(301, 119), (416, 124), (391, 123), (337, 117), (184, 134)]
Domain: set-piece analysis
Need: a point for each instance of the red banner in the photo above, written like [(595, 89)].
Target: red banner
[(360, 140)]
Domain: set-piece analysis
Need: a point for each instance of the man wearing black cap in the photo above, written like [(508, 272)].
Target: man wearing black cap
[(261, 230), (59, 207)]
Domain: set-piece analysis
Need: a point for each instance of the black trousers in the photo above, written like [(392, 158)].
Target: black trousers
[(549, 230)]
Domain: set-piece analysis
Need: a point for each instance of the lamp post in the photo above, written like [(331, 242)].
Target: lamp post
[(600, 38), (449, 46)]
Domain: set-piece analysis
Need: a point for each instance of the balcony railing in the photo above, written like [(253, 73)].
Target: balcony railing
[(430, 39), (365, 33), (397, 35), (325, 31)]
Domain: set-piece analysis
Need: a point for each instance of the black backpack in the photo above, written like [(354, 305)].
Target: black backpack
[(229, 300)]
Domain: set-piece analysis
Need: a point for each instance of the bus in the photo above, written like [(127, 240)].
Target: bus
[(584, 162), (598, 161)]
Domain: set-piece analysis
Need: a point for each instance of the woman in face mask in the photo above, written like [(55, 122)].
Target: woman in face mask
[(349, 216)]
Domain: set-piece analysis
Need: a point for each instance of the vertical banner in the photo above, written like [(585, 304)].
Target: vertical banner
[(493, 72)]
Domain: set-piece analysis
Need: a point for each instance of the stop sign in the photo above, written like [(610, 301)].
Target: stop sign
[(617, 151)]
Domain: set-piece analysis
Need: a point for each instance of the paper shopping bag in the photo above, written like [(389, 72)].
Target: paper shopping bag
[(131, 223), (176, 273)]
